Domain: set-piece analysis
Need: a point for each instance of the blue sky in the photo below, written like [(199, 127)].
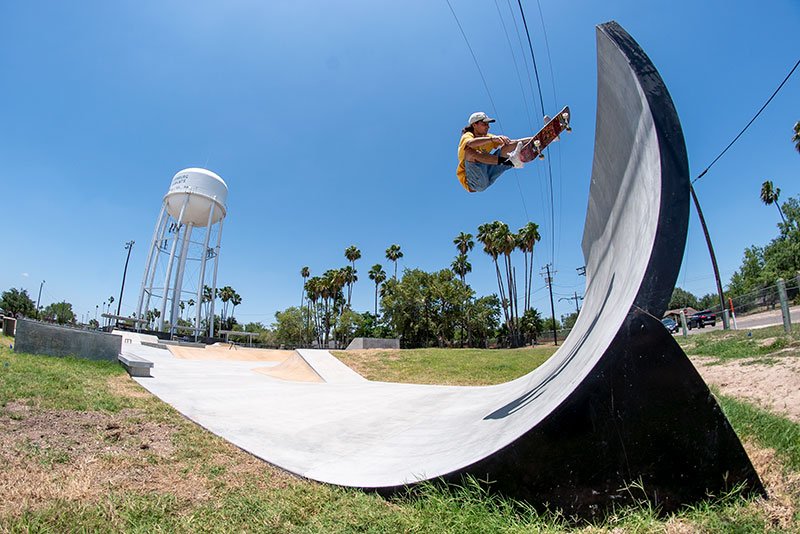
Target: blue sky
[(336, 123)]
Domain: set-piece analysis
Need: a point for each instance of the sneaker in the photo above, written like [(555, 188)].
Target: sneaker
[(514, 156)]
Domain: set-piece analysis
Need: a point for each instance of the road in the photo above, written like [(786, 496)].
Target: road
[(754, 321)]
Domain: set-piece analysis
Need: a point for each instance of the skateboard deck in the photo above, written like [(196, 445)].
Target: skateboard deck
[(549, 133)]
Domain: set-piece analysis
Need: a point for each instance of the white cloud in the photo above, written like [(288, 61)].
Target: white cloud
[(25, 275)]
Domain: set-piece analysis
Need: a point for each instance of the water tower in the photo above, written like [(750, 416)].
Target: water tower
[(187, 236)]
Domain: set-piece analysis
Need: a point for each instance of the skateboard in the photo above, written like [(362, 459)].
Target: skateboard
[(549, 133)]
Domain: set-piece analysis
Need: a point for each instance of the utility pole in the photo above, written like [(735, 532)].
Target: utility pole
[(39, 298), (576, 298), (128, 247), (723, 311), (548, 280)]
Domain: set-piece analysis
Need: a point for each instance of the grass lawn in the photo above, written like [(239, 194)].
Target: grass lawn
[(473, 367), (85, 449), (770, 342)]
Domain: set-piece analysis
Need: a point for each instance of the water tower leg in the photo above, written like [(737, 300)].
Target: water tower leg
[(214, 287), (169, 266), (201, 283), (177, 289), (153, 249)]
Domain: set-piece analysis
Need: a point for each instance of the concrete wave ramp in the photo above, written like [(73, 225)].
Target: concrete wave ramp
[(618, 406)]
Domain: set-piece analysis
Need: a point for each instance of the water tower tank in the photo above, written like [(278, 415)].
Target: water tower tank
[(199, 190)]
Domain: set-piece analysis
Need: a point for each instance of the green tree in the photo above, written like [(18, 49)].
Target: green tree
[(483, 319), (393, 254), (796, 136), (17, 302), (770, 195), (750, 275), (377, 275), (532, 325), (59, 312), (707, 301), (288, 326), (682, 299), (569, 320), (424, 309), (461, 266)]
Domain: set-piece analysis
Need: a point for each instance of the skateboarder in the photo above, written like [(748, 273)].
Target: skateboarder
[(483, 157)]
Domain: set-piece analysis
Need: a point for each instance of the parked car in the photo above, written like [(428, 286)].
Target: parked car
[(701, 319), (670, 325)]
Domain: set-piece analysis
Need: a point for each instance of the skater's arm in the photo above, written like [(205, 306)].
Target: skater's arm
[(495, 140)]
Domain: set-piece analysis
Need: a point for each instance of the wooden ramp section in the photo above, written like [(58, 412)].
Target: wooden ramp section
[(295, 368), (224, 351)]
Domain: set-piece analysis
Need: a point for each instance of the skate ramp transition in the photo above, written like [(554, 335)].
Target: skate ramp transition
[(618, 404)]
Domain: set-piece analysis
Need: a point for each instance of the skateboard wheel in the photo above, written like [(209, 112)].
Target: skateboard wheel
[(568, 128), (541, 156), (537, 143), (565, 116)]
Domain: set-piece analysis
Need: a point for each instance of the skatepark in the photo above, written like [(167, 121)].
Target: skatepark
[(618, 401)]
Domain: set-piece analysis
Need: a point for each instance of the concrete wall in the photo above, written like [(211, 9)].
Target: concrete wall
[(41, 338), (373, 343)]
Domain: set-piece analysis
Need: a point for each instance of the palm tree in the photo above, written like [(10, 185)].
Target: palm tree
[(225, 295), (464, 243), (485, 235), (497, 240), (313, 289), (796, 136), (393, 254), (190, 303), (352, 254), (528, 236), (305, 272), (506, 242), (461, 266), (236, 299), (208, 296), (377, 275), (350, 278), (769, 195)]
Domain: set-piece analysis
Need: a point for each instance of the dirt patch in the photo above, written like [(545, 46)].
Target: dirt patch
[(771, 382), (52, 454), (783, 487)]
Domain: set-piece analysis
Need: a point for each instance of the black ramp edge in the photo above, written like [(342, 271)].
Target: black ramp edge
[(642, 424)]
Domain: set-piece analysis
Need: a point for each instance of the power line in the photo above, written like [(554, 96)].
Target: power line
[(751, 121), (474, 58), (541, 103)]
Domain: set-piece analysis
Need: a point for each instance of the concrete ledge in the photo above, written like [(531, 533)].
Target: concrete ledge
[(373, 343), (154, 345), (135, 365), (34, 337)]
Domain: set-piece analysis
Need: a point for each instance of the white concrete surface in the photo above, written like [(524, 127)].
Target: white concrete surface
[(353, 432)]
